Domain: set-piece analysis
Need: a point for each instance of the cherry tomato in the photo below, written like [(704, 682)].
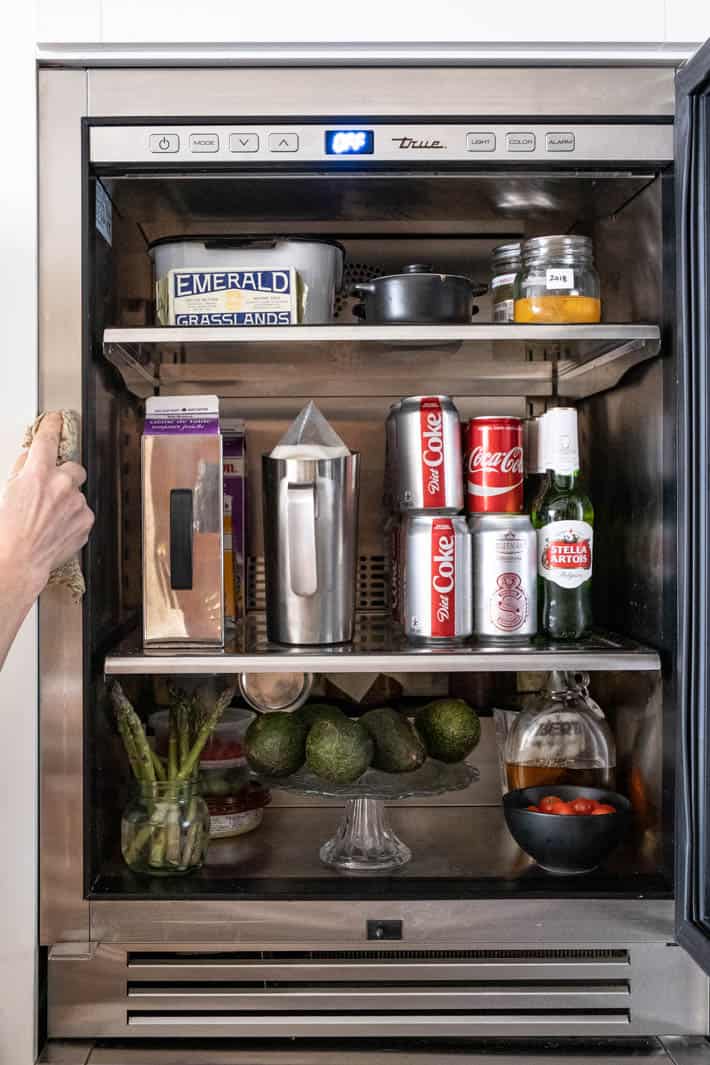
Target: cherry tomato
[(533, 809), (547, 802), (604, 808), (583, 806), (561, 808)]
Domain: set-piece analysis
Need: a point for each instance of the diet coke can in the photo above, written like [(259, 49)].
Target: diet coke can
[(427, 439), (505, 582), (437, 579), (494, 466)]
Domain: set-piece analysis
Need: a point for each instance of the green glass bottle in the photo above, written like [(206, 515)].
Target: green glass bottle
[(564, 519)]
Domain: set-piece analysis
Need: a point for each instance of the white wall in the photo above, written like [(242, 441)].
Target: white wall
[(18, 679), (456, 21)]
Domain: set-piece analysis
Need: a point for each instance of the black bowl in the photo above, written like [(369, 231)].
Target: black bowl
[(560, 843)]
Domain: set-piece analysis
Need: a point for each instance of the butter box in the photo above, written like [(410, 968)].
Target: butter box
[(253, 297)]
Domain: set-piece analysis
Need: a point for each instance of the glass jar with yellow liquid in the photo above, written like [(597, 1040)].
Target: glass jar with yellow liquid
[(557, 282)]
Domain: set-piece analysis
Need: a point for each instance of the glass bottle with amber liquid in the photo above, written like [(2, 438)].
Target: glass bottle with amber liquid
[(563, 517), (561, 738)]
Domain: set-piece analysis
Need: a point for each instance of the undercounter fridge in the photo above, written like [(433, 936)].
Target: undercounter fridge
[(469, 949)]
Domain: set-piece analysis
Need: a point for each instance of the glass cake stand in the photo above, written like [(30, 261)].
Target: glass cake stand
[(364, 841)]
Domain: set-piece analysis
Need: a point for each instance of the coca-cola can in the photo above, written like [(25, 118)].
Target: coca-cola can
[(393, 562), (494, 465), (437, 579), (427, 441), (505, 577)]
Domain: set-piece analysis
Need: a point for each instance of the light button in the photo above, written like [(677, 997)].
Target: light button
[(283, 142), (520, 142), (559, 142), (164, 143), (244, 142), (480, 142), (204, 142)]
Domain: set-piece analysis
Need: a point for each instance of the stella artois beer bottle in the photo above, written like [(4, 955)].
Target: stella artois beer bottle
[(563, 517)]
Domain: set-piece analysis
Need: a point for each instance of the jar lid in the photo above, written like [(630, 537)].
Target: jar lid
[(506, 255), (563, 246), (275, 691)]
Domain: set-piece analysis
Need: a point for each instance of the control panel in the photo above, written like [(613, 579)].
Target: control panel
[(362, 143)]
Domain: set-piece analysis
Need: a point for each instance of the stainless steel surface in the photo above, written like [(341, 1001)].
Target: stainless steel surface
[(520, 1052), (64, 913), (59, 1052), (587, 359), (188, 611), (653, 989), (504, 576), (650, 1051), (397, 141), (376, 648), (629, 54), (436, 90), (311, 542)]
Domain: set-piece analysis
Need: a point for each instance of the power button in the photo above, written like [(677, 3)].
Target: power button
[(164, 143)]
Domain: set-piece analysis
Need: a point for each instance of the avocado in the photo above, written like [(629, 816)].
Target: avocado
[(449, 728), (398, 749), (312, 712), (275, 744), (338, 751)]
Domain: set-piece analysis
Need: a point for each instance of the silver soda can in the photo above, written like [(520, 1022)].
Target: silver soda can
[(505, 577), (437, 579), (428, 449)]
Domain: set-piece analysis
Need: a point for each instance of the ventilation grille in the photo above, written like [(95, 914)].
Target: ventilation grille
[(370, 591), (380, 992)]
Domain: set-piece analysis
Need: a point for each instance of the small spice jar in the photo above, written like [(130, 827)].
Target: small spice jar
[(504, 267), (557, 282)]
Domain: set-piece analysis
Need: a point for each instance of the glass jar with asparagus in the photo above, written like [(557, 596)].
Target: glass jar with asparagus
[(165, 827)]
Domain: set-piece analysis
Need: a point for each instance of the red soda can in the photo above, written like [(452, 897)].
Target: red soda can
[(494, 465)]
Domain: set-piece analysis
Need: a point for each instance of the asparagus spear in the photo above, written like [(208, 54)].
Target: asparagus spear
[(172, 745), (133, 734), (206, 729), (158, 766)]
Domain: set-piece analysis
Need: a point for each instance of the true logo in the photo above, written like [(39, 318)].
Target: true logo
[(417, 145)]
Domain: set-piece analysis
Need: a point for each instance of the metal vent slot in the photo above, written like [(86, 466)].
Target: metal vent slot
[(230, 957), (376, 1023), (138, 989)]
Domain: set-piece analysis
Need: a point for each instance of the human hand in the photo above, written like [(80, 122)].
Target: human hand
[(44, 518)]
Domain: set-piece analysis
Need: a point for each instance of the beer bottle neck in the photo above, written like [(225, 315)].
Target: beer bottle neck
[(564, 481)]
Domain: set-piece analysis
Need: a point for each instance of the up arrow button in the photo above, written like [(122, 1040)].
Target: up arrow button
[(283, 142)]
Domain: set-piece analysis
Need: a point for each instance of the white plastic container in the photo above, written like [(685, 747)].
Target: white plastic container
[(318, 264)]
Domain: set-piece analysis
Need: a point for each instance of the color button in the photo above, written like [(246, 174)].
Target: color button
[(520, 142)]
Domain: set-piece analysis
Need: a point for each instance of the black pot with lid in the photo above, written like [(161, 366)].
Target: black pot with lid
[(417, 296)]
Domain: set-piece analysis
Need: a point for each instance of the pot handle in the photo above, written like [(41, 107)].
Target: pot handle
[(363, 287), (359, 311), (301, 526)]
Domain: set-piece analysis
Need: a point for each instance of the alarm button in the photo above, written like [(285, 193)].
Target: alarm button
[(164, 143), (559, 142), (283, 142)]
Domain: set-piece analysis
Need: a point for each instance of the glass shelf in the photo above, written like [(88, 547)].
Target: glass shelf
[(379, 648), (380, 360)]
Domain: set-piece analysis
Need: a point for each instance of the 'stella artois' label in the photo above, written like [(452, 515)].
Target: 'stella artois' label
[(565, 552)]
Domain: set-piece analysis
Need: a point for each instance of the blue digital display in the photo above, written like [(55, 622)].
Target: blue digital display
[(349, 142)]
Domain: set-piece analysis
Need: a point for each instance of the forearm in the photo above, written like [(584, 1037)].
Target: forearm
[(18, 591)]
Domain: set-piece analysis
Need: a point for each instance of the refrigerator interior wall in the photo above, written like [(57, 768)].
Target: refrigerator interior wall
[(385, 222)]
